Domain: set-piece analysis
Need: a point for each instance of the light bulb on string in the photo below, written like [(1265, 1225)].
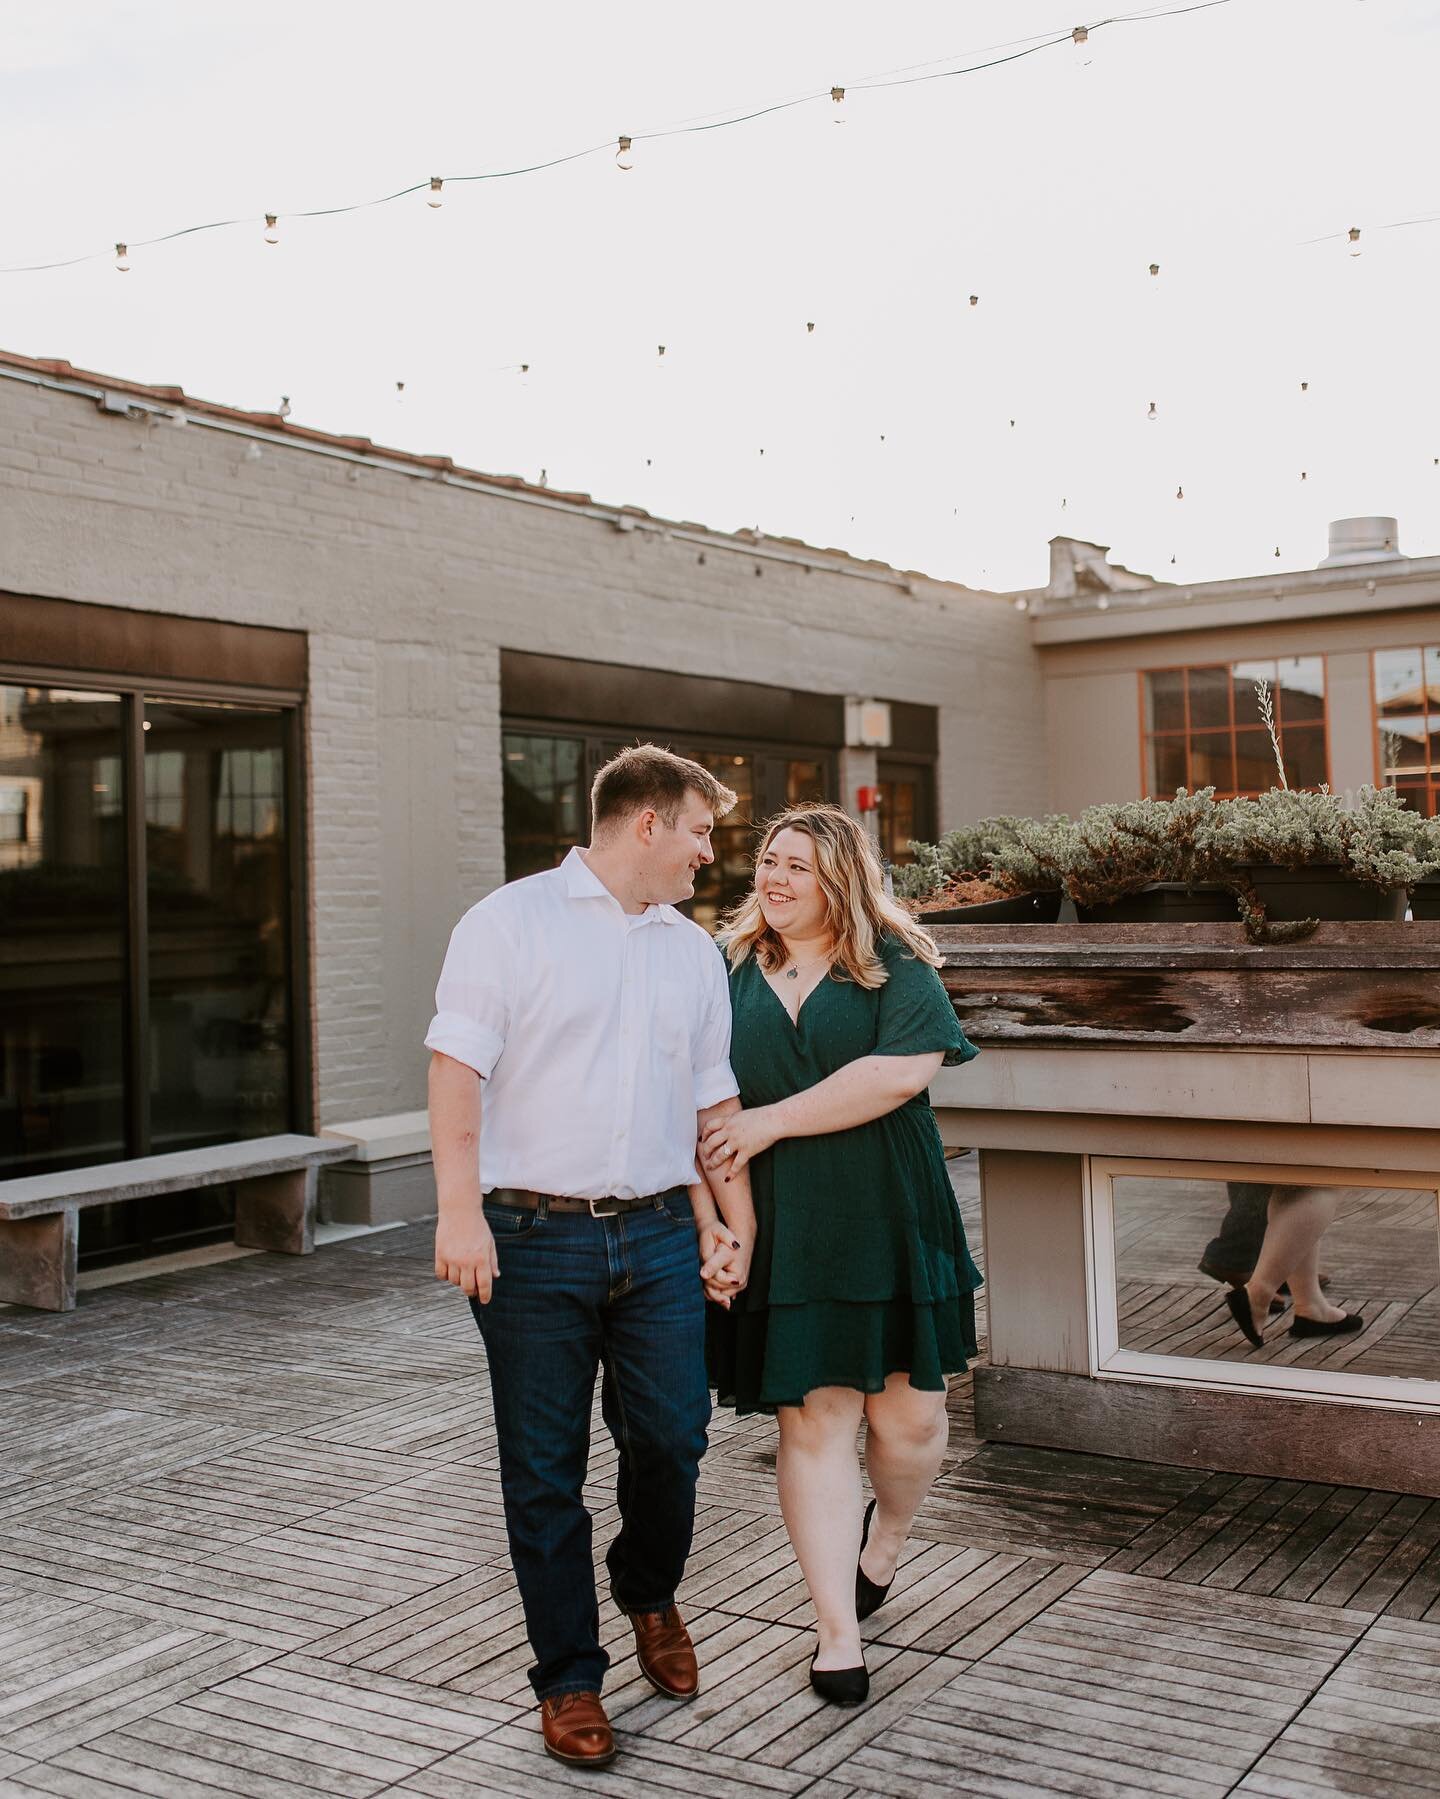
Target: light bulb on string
[(1304, 387), (122, 259), (1022, 604), (974, 299), (838, 110), (624, 155), (1353, 237), (1277, 549), (1179, 493), (1152, 414), (810, 327), (660, 356), (1154, 268), (433, 198), (399, 393), (1080, 37), (282, 411), (272, 228)]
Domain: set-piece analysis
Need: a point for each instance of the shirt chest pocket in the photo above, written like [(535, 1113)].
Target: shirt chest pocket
[(670, 1022)]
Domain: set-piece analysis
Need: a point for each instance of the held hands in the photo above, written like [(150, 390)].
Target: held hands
[(724, 1261), (465, 1253), (728, 1144)]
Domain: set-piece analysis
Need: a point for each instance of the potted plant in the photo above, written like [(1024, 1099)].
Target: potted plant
[(1425, 894), (987, 873), (1281, 861)]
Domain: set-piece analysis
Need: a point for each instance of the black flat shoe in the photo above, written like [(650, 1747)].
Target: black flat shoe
[(868, 1597), (1238, 1301), (1232, 1277), (1313, 1327), (840, 1686)]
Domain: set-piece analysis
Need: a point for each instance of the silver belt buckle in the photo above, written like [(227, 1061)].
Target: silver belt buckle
[(613, 1211)]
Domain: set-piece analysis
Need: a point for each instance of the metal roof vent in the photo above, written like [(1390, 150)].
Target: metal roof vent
[(1363, 540)]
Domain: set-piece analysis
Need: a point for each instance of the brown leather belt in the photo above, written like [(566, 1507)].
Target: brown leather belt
[(526, 1199)]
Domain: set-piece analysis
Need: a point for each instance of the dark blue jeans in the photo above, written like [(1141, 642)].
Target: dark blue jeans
[(576, 1295)]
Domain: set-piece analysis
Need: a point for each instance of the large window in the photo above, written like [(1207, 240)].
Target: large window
[(1407, 724), (547, 776), (146, 934), (1202, 726)]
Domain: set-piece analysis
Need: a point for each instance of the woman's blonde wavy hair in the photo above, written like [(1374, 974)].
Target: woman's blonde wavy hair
[(858, 912)]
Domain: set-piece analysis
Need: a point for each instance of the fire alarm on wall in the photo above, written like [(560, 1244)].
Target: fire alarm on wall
[(868, 799)]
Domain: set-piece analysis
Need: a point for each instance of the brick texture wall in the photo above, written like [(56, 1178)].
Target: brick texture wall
[(408, 589)]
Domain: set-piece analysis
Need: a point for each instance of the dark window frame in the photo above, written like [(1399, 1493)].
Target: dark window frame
[(291, 705)]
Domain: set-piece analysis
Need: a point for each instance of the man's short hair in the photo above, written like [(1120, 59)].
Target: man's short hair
[(644, 777)]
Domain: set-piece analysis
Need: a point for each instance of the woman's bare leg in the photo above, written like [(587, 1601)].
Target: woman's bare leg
[(905, 1440), (1299, 1217), (818, 1473)]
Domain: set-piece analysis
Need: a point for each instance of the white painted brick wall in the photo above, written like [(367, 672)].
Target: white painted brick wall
[(408, 589)]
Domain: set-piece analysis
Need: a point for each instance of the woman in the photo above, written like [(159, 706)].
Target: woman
[(859, 1300)]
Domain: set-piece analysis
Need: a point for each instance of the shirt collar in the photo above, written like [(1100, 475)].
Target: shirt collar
[(581, 882)]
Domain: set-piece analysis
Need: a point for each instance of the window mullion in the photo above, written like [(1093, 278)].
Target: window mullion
[(137, 959)]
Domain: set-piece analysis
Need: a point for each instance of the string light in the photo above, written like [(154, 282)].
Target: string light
[(272, 228), (1304, 387), (122, 260), (1354, 237), (1152, 414), (1277, 549), (837, 94), (1078, 36), (624, 159), (433, 197), (1021, 604), (1179, 493), (283, 411), (809, 327), (974, 299), (1154, 268), (399, 393), (660, 350)]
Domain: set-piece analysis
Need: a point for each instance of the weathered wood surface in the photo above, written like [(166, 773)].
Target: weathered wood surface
[(1352, 986), (251, 1543)]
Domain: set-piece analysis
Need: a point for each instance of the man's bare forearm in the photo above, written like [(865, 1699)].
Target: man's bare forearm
[(455, 1133)]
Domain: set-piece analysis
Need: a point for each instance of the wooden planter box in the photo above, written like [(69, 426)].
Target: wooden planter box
[(1175, 1048)]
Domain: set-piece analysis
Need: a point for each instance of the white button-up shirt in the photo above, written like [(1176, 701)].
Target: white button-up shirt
[(598, 1034)]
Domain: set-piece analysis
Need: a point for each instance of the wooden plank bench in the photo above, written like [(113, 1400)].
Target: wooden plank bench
[(39, 1213)]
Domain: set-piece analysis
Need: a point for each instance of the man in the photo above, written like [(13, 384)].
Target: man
[(597, 1020)]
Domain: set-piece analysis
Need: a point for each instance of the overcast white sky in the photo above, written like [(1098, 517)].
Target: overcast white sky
[(1214, 144)]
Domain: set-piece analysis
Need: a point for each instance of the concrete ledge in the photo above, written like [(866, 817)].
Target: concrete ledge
[(386, 1177), (378, 1139)]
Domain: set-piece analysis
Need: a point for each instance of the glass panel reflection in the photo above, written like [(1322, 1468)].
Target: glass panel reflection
[(727, 879), (1328, 1254), (218, 889), (62, 930)]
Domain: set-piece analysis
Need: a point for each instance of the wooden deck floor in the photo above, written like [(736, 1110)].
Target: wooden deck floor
[(251, 1543)]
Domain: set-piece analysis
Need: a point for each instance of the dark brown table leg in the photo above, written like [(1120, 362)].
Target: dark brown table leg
[(37, 1261), (277, 1212)]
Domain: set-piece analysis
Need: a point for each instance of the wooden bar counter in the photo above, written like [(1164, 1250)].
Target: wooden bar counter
[(1138, 1085)]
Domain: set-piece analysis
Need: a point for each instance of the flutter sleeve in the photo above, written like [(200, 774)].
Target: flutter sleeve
[(915, 1014)]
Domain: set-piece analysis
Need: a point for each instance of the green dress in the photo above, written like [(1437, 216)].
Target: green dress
[(861, 1267)]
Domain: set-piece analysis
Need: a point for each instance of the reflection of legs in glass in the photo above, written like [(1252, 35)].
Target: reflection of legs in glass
[(1298, 1219)]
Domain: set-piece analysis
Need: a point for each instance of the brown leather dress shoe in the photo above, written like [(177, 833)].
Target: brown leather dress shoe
[(576, 1730), (665, 1653)]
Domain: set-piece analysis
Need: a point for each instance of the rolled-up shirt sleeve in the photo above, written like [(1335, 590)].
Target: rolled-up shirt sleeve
[(710, 1053), (475, 993)]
